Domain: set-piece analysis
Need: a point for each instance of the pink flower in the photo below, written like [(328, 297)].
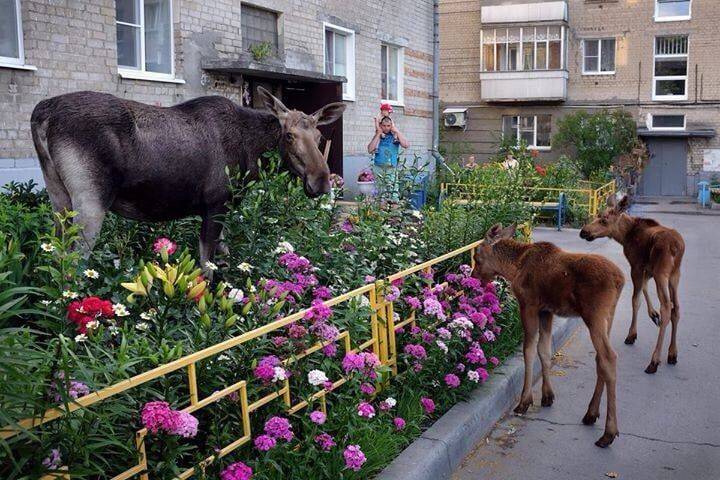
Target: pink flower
[(323, 293), (185, 425), (326, 441), (328, 385), (296, 331), (330, 350), (369, 279), (157, 416), (353, 361), (399, 423), (279, 427), (295, 263), (452, 380), (164, 243), (413, 303), (483, 374), (428, 405), (494, 361), (53, 461), (265, 443), (354, 457), (417, 351), (318, 312), (236, 471), (367, 389), (318, 417), (393, 294), (346, 227), (366, 410), (489, 336)]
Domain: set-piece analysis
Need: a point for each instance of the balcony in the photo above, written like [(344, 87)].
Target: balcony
[(524, 86)]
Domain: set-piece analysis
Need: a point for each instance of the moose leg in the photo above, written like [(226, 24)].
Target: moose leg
[(210, 231), (674, 318), (544, 349), (606, 360), (652, 313), (661, 281), (638, 285), (530, 336)]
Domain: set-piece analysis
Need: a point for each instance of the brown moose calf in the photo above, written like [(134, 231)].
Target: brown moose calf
[(547, 281), (653, 251)]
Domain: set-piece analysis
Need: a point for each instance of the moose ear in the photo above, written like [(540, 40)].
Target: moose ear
[(329, 113), (623, 204), (493, 233), (509, 231), (611, 200), (272, 104)]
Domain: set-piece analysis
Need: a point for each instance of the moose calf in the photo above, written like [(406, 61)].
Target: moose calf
[(653, 251), (546, 281)]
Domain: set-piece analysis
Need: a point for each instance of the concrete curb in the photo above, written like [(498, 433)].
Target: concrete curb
[(441, 448)]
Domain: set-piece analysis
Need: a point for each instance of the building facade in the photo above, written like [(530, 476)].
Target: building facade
[(514, 68), (163, 52)]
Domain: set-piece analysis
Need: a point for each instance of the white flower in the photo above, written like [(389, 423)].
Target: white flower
[(149, 315), (45, 302), (245, 267), (442, 345), (284, 247), (116, 264), (390, 401), (113, 330), (252, 289), (90, 273), (280, 374), (120, 310), (92, 324), (317, 377), (396, 316), (142, 326), (223, 357), (236, 295), (69, 294), (417, 214), (473, 376), (461, 322), (211, 266), (364, 302), (326, 206), (48, 247), (80, 338)]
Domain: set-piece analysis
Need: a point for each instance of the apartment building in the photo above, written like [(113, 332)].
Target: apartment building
[(514, 68), (308, 52)]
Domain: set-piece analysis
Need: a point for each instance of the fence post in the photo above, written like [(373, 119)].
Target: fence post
[(382, 321)]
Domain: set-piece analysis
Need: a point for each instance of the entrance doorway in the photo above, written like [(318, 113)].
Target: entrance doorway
[(665, 173)]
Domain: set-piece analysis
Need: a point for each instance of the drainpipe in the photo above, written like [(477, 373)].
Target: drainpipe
[(439, 160)]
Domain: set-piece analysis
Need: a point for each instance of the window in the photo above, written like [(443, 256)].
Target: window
[(670, 72), (599, 56), (145, 39), (667, 122), (340, 56), (259, 26), (391, 74), (533, 129), (11, 39), (523, 48), (672, 10)]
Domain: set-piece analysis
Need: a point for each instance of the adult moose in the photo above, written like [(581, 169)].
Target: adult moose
[(99, 152), (548, 281), (654, 251)]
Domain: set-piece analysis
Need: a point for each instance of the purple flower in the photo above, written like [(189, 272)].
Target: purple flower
[(279, 427), (433, 307), (325, 331), (489, 336), (53, 461), (369, 279), (475, 354), (296, 331), (330, 350), (366, 410), (265, 369), (466, 270), (427, 337), (353, 361), (265, 443), (318, 417), (294, 262), (417, 351), (399, 423), (367, 389), (354, 457), (236, 471), (347, 227), (393, 294), (185, 425), (471, 283), (494, 361), (413, 302), (279, 341), (428, 405), (483, 374), (452, 380), (326, 441), (157, 416), (322, 293), (319, 311)]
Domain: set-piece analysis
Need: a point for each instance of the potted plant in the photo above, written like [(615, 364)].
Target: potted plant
[(366, 182)]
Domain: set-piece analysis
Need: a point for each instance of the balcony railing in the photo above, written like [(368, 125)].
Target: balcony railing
[(524, 86)]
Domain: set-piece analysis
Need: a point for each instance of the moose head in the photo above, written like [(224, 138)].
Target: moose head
[(299, 141), (607, 222), (488, 260)]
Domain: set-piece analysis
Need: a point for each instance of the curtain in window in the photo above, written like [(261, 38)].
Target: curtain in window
[(158, 46), (9, 43)]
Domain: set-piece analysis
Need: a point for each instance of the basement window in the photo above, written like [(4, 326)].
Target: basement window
[(667, 122)]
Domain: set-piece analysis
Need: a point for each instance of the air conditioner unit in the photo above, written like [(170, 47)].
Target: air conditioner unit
[(455, 117)]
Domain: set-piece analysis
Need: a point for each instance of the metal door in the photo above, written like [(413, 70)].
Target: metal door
[(666, 171)]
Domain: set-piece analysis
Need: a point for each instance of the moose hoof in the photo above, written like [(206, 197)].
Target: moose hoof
[(522, 407), (652, 368), (655, 317), (547, 400), (630, 339), (606, 440), (672, 359), (589, 419)]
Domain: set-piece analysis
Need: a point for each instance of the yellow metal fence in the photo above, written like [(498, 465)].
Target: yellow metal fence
[(382, 343), (591, 197)]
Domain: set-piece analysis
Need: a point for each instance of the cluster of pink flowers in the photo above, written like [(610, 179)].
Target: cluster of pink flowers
[(269, 370), (279, 428), (318, 417), (166, 244), (363, 362), (236, 471), (159, 417), (354, 457), (452, 380), (417, 351), (413, 302), (399, 423), (366, 410), (325, 441), (428, 405)]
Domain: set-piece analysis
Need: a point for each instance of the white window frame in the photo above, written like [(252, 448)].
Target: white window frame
[(675, 18), (685, 77), (19, 61), (534, 146), (652, 119), (400, 102), (521, 60), (349, 95), (141, 73), (599, 42)]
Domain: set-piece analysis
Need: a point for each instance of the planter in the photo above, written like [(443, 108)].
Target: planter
[(366, 188)]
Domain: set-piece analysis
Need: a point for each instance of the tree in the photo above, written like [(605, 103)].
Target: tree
[(594, 140)]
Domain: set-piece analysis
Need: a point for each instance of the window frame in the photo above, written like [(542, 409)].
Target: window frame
[(521, 43), (141, 73), (686, 77), (651, 125), (400, 102), (534, 146), (349, 56), (673, 18), (19, 61), (599, 56)]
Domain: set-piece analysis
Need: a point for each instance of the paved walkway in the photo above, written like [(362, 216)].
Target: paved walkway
[(669, 422)]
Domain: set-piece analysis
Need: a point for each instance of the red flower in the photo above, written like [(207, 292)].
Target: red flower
[(84, 311), (540, 170), (534, 153)]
